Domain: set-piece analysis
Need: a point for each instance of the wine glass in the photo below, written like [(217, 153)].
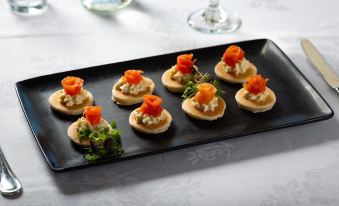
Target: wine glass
[(28, 7), (105, 6), (214, 19)]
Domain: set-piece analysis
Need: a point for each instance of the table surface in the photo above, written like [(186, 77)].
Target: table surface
[(292, 166)]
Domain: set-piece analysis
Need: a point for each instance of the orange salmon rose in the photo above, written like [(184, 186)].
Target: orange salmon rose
[(151, 105), (185, 63), (133, 76), (72, 85), (233, 55), (93, 114), (255, 84), (206, 92)]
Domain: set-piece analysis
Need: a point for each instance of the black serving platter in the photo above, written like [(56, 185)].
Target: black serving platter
[(297, 103)]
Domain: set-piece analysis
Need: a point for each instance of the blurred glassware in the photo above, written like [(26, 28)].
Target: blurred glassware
[(214, 19), (29, 7), (105, 6)]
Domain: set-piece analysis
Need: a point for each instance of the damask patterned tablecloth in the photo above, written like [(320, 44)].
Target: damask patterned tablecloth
[(292, 166)]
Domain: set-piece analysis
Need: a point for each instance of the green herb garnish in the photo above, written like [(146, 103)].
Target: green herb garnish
[(113, 124), (191, 86), (105, 143), (84, 134)]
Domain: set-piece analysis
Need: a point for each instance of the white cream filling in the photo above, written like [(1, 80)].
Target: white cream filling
[(83, 124), (135, 89), (260, 97), (207, 107), (239, 68), (180, 77), (71, 100), (146, 119)]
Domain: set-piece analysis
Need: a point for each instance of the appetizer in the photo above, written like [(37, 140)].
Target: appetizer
[(176, 78), (151, 117), (255, 96), (91, 130), (205, 104), (131, 88), (234, 67), (73, 98)]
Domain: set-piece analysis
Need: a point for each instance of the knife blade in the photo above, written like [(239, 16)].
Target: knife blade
[(320, 63)]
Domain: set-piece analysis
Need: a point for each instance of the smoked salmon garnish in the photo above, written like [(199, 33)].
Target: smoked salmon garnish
[(93, 114), (151, 105), (133, 76), (72, 85), (233, 55), (185, 63), (206, 93), (255, 84)]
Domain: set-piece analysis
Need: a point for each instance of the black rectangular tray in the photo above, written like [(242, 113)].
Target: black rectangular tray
[(297, 103)]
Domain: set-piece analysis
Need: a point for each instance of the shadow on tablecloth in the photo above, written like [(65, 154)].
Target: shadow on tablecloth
[(123, 176)]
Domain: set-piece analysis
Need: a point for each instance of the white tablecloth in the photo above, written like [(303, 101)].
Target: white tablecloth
[(292, 166)]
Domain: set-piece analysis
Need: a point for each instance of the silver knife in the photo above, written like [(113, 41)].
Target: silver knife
[(319, 62)]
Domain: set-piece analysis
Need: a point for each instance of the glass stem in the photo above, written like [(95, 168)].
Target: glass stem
[(213, 4), (212, 14)]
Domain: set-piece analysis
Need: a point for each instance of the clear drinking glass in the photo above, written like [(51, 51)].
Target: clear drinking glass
[(105, 5), (214, 19), (30, 7)]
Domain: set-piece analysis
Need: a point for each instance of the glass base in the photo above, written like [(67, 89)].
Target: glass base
[(32, 8), (214, 21), (105, 6)]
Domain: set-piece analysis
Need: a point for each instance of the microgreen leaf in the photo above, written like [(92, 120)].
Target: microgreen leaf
[(113, 124), (191, 87), (91, 157), (115, 133), (103, 144)]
